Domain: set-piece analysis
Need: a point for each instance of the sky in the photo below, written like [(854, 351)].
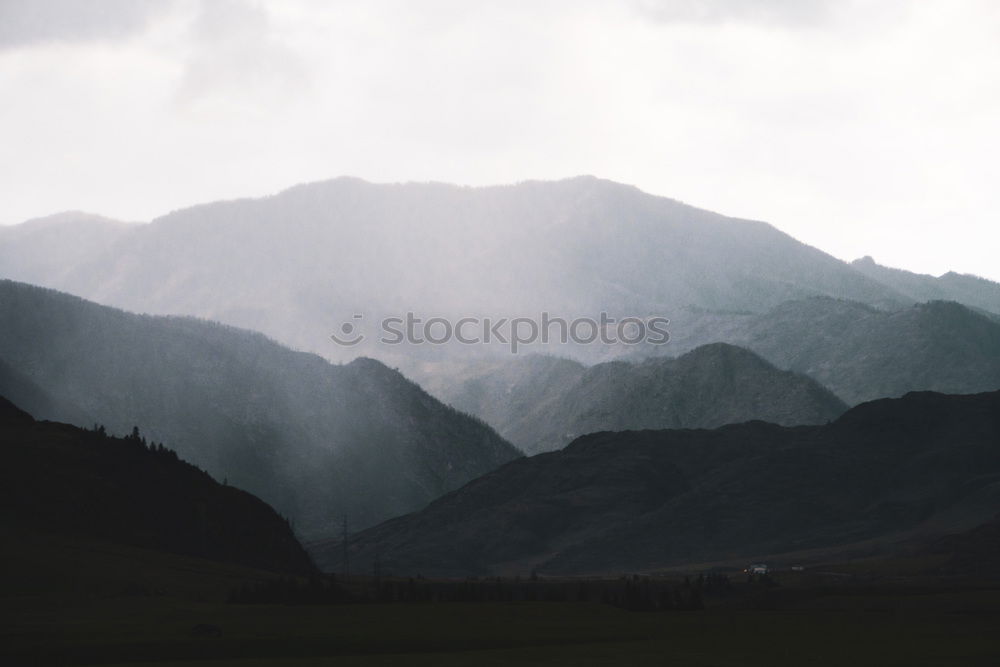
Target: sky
[(862, 128)]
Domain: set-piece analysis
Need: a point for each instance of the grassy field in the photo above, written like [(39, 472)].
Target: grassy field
[(123, 606), (136, 630)]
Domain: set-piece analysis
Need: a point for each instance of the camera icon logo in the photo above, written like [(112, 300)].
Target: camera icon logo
[(349, 332)]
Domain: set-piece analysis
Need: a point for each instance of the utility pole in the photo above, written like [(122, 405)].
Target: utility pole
[(377, 572), (347, 557)]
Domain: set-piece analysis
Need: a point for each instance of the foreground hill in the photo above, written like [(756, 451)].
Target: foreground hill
[(975, 551), (315, 440), (542, 403), (296, 264), (58, 478), (650, 499)]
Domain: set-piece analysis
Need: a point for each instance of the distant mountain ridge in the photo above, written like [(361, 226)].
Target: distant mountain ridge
[(641, 500), (859, 352), (542, 403), (317, 441), (48, 249), (966, 289), (297, 264)]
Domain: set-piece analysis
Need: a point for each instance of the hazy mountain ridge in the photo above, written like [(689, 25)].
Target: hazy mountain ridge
[(315, 440), (967, 289), (641, 500), (62, 479), (542, 403), (861, 353), (48, 250), (857, 351), (296, 264)]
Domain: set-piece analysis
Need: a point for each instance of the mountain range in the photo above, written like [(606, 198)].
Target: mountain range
[(541, 403), (860, 352), (761, 327), (924, 464), (857, 351), (316, 440), (970, 290), (297, 264)]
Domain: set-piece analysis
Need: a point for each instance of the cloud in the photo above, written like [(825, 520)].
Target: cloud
[(768, 12), (236, 53), (25, 23)]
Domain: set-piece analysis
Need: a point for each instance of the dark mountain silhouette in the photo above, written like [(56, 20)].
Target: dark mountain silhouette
[(296, 264), (542, 403), (58, 478), (315, 440), (970, 290), (974, 552), (643, 500)]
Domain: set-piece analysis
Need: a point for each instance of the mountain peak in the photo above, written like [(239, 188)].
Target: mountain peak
[(541, 407), (723, 350)]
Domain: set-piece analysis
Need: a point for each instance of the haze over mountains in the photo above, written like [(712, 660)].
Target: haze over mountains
[(296, 264), (923, 465), (542, 403), (317, 441)]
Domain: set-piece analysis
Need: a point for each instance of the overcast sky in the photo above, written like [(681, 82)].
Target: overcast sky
[(858, 127)]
